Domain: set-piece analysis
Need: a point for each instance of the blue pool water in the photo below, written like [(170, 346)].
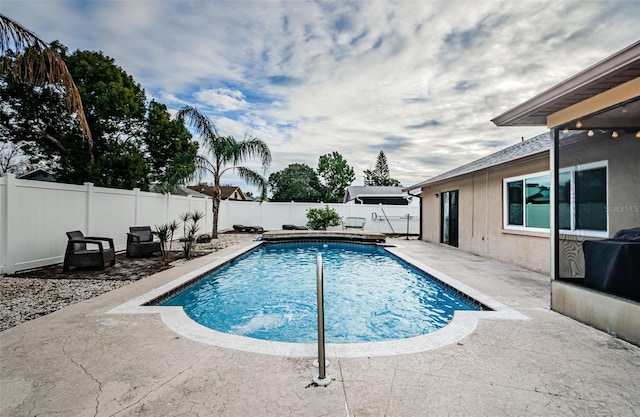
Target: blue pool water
[(370, 295)]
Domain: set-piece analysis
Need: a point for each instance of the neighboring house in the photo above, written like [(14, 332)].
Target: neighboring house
[(186, 191), (37, 175), (355, 194), (227, 192)]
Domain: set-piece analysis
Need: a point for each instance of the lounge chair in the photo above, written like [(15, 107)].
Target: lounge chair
[(140, 242), (293, 227), (79, 255), (247, 229)]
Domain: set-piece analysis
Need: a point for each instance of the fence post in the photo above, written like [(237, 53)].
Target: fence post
[(167, 203), (207, 216), (88, 186), (9, 210), (136, 206)]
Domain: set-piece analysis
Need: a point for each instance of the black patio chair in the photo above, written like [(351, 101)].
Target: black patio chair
[(140, 242), (88, 251)]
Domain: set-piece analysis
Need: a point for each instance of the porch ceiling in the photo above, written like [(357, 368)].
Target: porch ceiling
[(621, 71)]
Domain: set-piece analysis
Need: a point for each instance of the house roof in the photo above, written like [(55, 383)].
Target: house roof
[(38, 174), (225, 191), (528, 148), (186, 191), (619, 70), (354, 191)]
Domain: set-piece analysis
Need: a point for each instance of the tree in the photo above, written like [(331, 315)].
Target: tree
[(337, 175), (379, 176), (297, 182), (37, 64), (167, 142), (226, 153), (133, 146), (10, 158)]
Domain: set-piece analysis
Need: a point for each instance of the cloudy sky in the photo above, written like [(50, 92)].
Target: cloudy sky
[(418, 79)]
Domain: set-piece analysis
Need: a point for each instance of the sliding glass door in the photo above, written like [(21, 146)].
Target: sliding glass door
[(449, 218)]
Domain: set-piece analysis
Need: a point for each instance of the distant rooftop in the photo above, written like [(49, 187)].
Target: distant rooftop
[(226, 192), (370, 191)]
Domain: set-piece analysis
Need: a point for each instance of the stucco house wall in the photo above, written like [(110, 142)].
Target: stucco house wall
[(480, 222), (481, 204)]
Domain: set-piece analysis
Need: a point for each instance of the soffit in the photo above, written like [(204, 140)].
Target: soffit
[(612, 72)]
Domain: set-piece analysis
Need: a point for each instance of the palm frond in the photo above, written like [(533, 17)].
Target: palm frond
[(254, 148), (182, 169), (35, 63), (201, 124), (251, 177)]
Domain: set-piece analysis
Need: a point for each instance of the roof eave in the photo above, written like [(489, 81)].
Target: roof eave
[(604, 68)]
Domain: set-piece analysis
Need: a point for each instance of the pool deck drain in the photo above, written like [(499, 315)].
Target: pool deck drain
[(83, 361)]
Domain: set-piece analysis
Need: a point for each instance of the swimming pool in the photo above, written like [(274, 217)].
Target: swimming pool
[(370, 295)]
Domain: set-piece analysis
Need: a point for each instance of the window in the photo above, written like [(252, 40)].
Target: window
[(537, 202), (582, 200), (527, 200), (515, 203)]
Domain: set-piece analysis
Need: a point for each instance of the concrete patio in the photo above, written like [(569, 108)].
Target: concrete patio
[(85, 361)]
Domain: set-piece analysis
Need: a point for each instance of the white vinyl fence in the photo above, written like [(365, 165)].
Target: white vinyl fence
[(271, 215), (35, 215)]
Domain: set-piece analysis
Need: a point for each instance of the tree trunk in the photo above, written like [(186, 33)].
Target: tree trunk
[(217, 194)]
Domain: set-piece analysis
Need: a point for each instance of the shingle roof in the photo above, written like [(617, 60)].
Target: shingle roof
[(529, 147), (225, 191), (354, 191)]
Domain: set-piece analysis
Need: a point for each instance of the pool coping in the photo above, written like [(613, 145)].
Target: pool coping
[(462, 324)]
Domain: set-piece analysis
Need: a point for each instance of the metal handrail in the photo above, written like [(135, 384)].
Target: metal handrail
[(322, 378), (387, 217)]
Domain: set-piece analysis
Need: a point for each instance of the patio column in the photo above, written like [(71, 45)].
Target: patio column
[(554, 269)]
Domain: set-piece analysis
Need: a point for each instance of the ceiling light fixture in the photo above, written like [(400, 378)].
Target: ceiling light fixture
[(579, 124), (638, 134), (590, 133), (614, 134), (565, 130)]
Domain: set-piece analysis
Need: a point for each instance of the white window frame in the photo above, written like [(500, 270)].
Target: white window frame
[(505, 203), (572, 201)]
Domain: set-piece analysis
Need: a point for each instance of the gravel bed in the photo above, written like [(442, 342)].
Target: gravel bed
[(31, 294)]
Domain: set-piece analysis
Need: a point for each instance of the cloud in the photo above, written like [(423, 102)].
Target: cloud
[(222, 99), (426, 123), (421, 80)]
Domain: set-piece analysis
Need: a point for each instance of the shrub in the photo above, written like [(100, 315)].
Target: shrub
[(321, 218), (190, 229), (164, 234)]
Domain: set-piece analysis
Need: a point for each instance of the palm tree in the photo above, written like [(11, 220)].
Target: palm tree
[(37, 64), (226, 153)]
